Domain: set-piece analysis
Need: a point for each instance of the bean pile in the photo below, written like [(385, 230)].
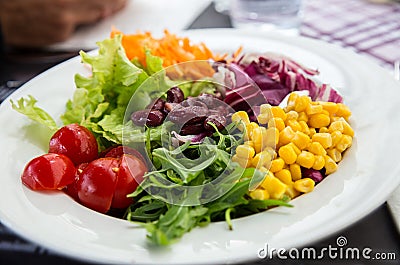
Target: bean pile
[(193, 115)]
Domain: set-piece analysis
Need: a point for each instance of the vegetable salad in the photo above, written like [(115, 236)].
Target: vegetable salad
[(171, 136)]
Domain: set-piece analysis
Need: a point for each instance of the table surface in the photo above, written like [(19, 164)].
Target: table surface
[(376, 231)]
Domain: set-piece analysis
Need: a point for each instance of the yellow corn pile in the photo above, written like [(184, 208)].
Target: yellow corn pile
[(304, 134)]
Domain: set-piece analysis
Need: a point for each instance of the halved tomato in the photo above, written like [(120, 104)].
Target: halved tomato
[(49, 172)]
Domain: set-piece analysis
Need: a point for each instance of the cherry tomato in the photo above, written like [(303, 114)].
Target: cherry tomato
[(130, 174), (49, 172), (97, 182), (119, 150), (105, 182), (72, 189), (76, 142)]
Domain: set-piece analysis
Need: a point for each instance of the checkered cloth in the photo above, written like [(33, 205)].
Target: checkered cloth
[(367, 28)]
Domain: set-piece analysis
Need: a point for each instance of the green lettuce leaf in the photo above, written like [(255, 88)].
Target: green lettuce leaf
[(27, 106), (100, 100)]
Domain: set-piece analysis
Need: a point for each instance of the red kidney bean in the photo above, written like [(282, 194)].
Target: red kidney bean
[(175, 95), (139, 117), (155, 118), (151, 118), (192, 114), (157, 104)]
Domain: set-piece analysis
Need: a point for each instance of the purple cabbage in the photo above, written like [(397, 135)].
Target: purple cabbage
[(269, 78)]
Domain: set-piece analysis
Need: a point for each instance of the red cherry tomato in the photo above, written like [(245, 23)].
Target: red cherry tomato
[(48, 172), (72, 189), (105, 182), (130, 174), (97, 182), (119, 150), (76, 142)]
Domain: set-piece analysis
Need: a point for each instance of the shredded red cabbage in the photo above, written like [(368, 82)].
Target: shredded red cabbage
[(275, 76)]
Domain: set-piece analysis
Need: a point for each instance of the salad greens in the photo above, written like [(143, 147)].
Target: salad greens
[(227, 196), (167, 212)]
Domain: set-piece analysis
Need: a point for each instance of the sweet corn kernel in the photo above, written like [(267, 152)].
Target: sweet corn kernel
[(263, 118), (319, 162), (286, 135), (277, 164), (301, 140), (271, 151), (305, 159), (344, 143), (259, 194), (325, 112), (313, 109), (276, 188), (244, 163), (294, 124), (241, 118), (265, 109), (312, 132), (258, 137), (302, 117), (288, 154), (277, 123), (336, 126), (245, 151), (267, 179), (316, 148), (334, 154), (336, 136), (291, 191), (335, 118), (302, 103), (319, 120), (262, 159), (292, 115), (347, 128), (343, 111), (249, 143), (325, 139), (295, 148), (278, 112), (330, 165), (271, 137), (285, 176), (295, 171), (291, 101), (249, 130), (304, 127), (323, 130), (331, 107), (304, 185)]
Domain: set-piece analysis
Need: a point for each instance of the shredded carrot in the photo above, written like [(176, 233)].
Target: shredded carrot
[(171, 48)]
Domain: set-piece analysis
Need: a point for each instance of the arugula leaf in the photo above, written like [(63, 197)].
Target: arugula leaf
[(177, 221)]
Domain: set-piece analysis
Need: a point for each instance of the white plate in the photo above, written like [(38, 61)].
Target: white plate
[(366, 176)]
